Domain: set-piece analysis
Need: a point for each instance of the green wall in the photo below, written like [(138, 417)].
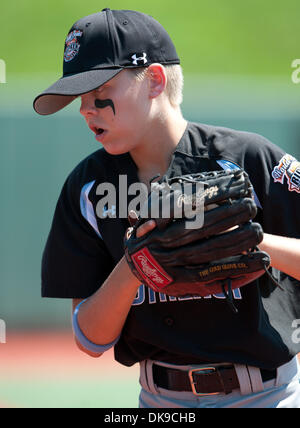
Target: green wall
[(236, 56)]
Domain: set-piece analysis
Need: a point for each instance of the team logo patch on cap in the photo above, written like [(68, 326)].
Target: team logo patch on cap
[(72, 46), (288, 167)]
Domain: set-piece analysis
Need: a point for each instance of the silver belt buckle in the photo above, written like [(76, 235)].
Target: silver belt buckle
[(193, 383)]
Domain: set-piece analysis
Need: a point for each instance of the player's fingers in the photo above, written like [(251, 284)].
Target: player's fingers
[(132, 218), (145, 228)]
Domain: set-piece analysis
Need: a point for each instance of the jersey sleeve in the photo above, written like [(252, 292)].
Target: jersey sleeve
[(275, 176), (75, 260)]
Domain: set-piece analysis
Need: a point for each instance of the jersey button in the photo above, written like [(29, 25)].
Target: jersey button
[(169, 321)]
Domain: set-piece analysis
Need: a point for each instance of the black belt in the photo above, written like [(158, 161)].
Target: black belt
[(209, 380)]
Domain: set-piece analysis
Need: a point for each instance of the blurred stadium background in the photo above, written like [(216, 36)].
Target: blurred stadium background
[(236, 58)]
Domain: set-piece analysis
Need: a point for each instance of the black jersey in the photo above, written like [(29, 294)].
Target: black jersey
[(84, 245)]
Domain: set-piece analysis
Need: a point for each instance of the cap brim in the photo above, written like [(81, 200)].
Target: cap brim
[(66, 89)]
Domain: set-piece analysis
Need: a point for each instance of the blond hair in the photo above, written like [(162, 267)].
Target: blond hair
[(175, 81)]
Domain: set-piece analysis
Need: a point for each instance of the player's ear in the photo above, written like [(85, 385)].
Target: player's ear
[(157, 78)]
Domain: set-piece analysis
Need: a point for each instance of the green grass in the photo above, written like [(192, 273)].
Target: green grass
[(216, 36), (73, 393)]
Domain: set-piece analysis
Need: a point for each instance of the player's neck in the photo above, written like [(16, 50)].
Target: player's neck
[(154, 154)]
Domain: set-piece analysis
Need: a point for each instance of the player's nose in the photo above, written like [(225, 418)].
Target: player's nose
[(87, 107)]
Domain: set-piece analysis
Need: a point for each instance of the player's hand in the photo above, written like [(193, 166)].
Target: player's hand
[(207, 258), (143, 229)]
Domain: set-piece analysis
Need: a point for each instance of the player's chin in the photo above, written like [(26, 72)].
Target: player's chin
[(114, 147), (116, 144)]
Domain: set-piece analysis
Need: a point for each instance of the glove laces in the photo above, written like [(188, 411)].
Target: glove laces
[(266, 268), (229, 295)]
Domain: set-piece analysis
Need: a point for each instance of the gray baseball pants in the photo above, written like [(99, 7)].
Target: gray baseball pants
[(280, 392)]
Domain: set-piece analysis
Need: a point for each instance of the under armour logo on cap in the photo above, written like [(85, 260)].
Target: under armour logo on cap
[(139, 60)]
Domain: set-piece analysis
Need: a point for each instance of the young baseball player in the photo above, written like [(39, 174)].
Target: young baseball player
[(193, 352)]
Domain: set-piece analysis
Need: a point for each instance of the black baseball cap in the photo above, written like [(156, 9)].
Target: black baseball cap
[(100, 46)]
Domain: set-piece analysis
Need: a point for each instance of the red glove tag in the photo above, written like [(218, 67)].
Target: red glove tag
[(153, 274)]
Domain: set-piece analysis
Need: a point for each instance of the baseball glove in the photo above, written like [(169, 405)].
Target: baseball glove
[(205, 241)]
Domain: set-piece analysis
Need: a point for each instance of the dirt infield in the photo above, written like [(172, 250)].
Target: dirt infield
[(45, 352), (45, 369)]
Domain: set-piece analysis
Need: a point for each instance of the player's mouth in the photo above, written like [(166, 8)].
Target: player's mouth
[(99, 132)]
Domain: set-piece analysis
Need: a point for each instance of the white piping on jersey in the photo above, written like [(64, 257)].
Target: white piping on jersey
[(225, 164), (86, 207)]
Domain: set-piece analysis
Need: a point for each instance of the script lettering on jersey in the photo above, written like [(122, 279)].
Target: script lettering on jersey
[(2, 71), (147, 295)]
